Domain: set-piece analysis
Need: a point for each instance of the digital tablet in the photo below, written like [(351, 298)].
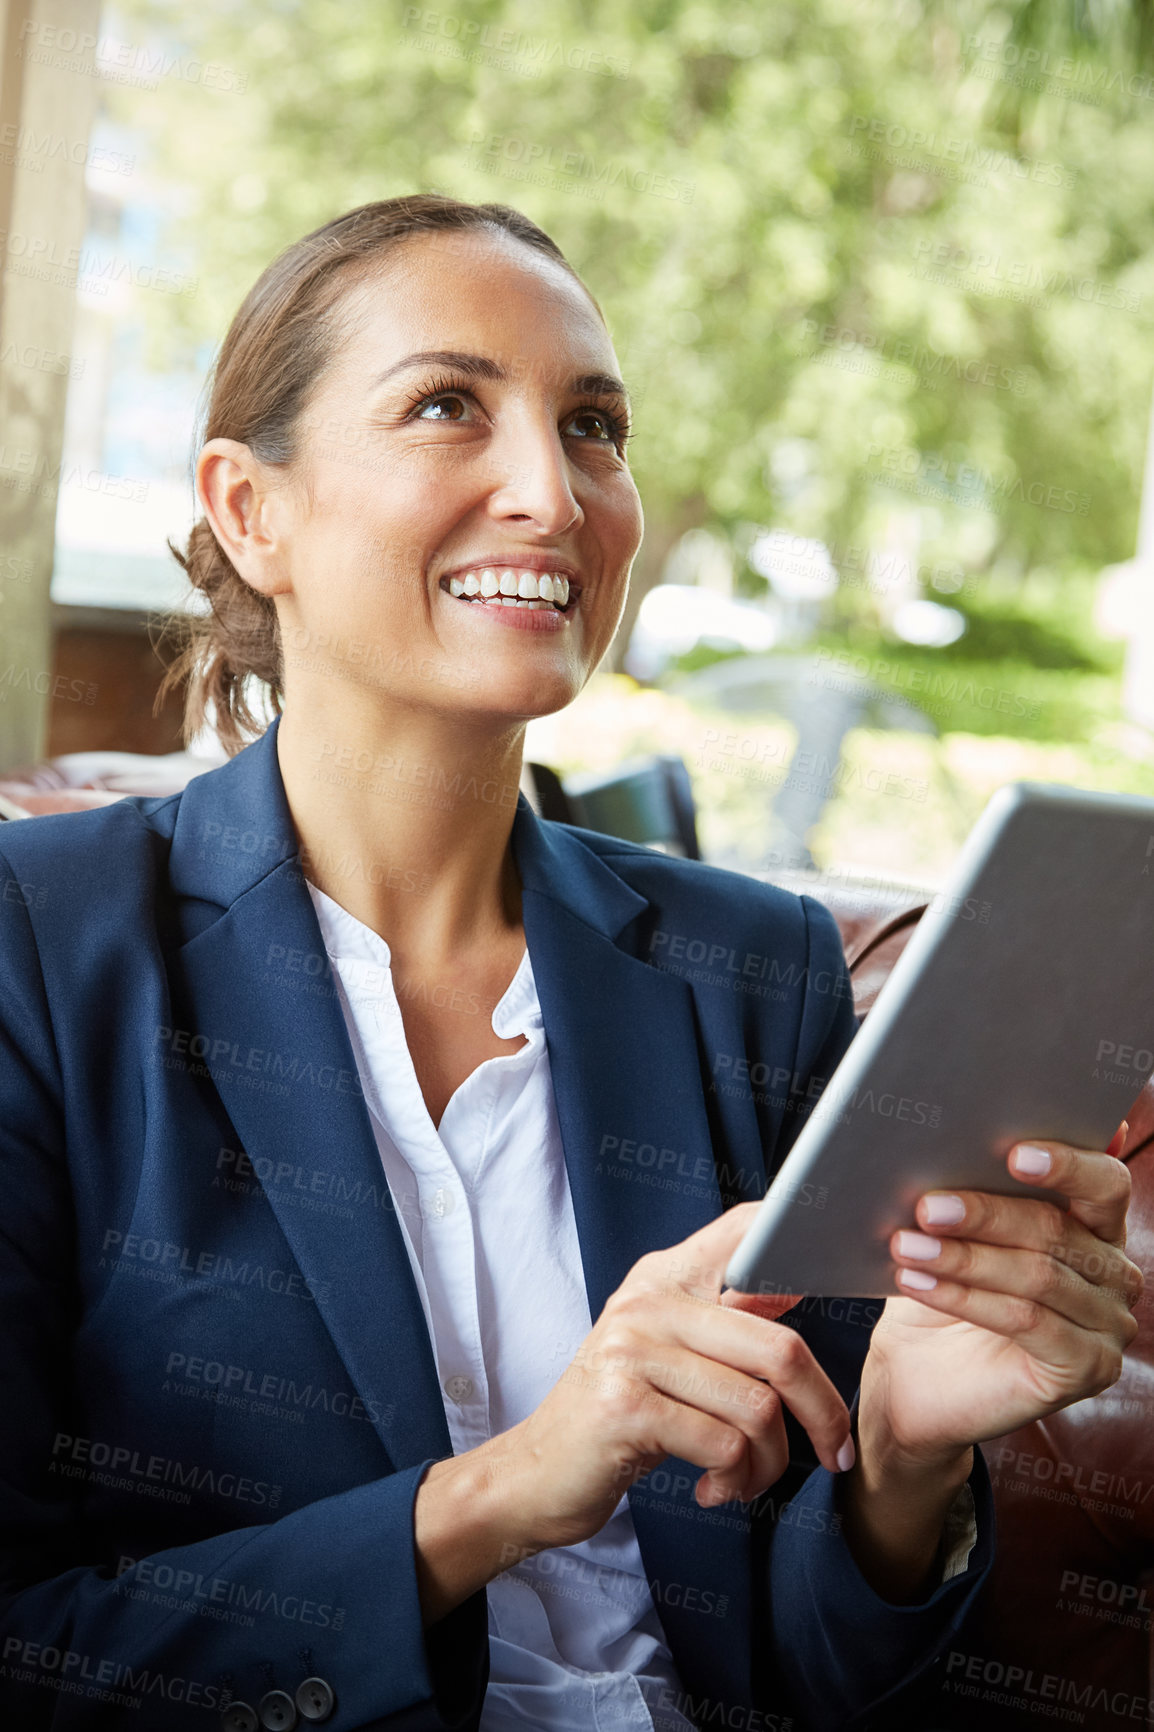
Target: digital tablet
[(1022, 1007)]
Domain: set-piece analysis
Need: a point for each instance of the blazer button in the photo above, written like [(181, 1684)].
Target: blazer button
[(277, 1711), (315, 1699), (239, 1717)]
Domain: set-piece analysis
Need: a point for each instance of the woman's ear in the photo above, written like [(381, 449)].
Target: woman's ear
[(239, 498)]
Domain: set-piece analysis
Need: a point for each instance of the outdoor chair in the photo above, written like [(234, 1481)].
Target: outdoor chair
[(647, 800)]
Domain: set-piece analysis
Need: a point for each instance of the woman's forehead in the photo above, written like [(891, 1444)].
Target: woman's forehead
[(473, 292)]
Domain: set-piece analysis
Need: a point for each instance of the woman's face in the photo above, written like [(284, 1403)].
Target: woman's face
[(467, 433)]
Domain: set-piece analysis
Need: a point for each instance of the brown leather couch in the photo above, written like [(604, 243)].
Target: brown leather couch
[(1065, 1631), (77, 781)]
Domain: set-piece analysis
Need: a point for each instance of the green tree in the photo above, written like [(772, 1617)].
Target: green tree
[(850, 258)]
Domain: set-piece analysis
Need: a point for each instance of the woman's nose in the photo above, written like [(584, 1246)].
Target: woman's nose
[(532, 481)]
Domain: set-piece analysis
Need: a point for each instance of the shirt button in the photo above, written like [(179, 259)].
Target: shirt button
[(443, 1203), (315, 1699), (458, 1388)]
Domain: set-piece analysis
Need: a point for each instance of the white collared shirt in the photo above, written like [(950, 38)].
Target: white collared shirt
[(487, 1216)]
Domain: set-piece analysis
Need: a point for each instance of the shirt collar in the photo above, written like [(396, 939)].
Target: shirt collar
[(354, 948)]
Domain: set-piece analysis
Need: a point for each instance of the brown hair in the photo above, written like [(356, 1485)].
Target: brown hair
[(279, 343)]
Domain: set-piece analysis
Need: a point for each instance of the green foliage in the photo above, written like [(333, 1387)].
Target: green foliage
[(853, 262), (702, 655), (1007, 632)]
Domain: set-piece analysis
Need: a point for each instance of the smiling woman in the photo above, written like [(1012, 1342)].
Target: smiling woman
[(346, 1037), (300, 390)]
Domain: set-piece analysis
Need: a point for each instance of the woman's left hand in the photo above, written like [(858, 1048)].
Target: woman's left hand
[(1016, 1307)]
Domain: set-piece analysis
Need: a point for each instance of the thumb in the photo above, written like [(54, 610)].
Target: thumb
[(698, 1264)]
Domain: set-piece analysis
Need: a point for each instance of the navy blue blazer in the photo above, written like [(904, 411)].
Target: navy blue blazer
[(219, 1392)]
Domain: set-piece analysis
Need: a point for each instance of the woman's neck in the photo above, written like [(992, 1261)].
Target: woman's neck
[(404, 819)]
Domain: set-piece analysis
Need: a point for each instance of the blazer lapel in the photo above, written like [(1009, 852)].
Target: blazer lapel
[(235, 844), (624, 1060)]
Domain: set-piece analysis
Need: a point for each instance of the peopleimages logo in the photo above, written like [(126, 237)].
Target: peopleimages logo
[(933, 474), (122, 62), (874, 136), (842, 670), (189, 1585), (537, 52), (886, 1105), (601, 172), (1017, 278), (230, 1059), (129, 1252), (1022, 1687), (1040, 69), (76, 1674), (1122, 1063), (214, 1375), (94, 271), (78, 1457)]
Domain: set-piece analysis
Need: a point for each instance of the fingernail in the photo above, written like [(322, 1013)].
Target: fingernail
[(918, 1245), (712, 1495), (942, 1211), (1030, 1159), (846, 1456), (918, 1279)]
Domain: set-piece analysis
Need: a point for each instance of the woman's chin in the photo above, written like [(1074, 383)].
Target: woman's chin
[(526, 707), (517, 694)]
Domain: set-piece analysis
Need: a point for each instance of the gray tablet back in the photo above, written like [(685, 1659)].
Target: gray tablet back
[(1023, 1006)]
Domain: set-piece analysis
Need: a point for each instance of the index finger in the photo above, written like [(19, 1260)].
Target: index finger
[(1095, 1180), (774, 1354)]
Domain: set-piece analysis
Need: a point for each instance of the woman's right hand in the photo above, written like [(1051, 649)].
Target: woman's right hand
[(670, 1368)]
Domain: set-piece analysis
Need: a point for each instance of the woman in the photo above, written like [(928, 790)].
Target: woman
[(358, 1373)]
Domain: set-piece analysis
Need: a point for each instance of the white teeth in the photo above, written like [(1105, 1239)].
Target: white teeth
[(513, 587)]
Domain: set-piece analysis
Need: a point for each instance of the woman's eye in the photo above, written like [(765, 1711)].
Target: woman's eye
[(440, 403), (607, 427)]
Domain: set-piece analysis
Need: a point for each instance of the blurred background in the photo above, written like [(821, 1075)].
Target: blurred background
[(880, 275)]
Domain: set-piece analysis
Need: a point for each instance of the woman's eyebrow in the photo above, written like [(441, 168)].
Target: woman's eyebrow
[(600, 385), (481, 367)]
